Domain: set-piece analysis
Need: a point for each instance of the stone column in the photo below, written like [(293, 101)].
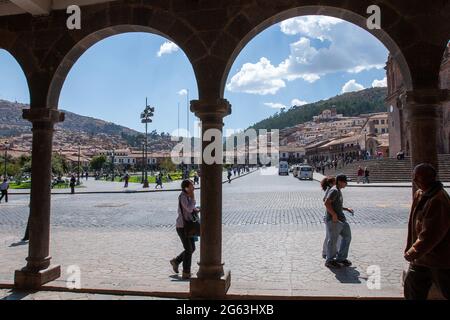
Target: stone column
[(422, 112), (211, 281), (38, 270)]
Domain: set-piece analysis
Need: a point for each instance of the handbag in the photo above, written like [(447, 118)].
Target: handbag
[(191, 227)]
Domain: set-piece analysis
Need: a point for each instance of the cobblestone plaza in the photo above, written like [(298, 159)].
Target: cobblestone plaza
[(273, 233)]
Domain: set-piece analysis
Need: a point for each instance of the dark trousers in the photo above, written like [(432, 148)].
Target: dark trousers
[(189, 248), (419, 279), (72, 189), (4, 194)]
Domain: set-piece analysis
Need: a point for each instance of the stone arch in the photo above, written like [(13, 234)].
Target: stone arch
[(254, 28), (23, 66), (78, 49)]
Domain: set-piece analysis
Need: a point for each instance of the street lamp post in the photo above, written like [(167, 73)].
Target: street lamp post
[(146, 119), (113, 155), (78, 175), (143, 160), (6, 157)]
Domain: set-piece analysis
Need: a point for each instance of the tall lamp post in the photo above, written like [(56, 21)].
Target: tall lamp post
[(6, 157), (146, 119), (113, 155), (143, 161), (79, 163)]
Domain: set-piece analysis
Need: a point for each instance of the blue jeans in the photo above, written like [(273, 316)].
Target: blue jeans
[(334, 230)]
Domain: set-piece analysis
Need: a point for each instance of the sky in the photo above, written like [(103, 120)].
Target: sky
[(297, 61)]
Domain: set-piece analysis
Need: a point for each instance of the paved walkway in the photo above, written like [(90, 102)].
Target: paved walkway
[(273, 234)]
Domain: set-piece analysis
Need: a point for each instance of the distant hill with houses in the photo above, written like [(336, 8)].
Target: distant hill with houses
[(349, 104)]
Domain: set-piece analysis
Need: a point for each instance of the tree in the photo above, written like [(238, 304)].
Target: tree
[(98, 162), (167, 165)]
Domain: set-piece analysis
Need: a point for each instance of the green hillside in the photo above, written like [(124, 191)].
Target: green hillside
[(349, 104)]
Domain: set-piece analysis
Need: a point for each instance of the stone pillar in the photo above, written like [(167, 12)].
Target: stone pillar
[(211, 281), (422, 110), (38, 270)]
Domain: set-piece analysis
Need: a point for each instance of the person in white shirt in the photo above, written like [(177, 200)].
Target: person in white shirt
[(4, 189)]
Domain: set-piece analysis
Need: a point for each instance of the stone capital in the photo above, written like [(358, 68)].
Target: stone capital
[(43, 115), (211, 111)]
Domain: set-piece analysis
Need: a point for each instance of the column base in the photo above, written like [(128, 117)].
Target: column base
[(210, 288), (24, 279)]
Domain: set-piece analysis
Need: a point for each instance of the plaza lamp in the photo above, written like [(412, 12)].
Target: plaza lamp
[(6, 157), (79, 154), (146, 119)]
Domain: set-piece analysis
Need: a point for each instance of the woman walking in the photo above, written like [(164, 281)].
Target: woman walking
[(186, 208), (327, 183)]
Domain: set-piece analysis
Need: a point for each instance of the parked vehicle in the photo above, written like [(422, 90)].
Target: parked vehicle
[(305, 172), (283, 168)]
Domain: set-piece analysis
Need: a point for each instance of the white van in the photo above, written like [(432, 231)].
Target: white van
[(305, 172), (283, 168)]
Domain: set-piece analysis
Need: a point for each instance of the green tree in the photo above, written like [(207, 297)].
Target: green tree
[(167, 165), (98, 162)]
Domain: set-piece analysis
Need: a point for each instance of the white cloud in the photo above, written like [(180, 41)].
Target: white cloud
[(351, 86), (182, 92), (312, 26), (298, 102), (275, 105), (167, 48), (379, 83), (344, 48), (258, 78)]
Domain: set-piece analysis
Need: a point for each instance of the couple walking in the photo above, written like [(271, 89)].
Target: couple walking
[(338, 233)]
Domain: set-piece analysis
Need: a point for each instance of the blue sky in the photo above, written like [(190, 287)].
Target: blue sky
[(300, 60)]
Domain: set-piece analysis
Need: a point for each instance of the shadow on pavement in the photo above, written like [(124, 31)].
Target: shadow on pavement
[(178, 278), (347, 275), (17, 295), (20, 243)]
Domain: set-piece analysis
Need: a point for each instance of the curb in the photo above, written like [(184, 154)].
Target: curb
[(386, 185), (186, 295), (125, 191)]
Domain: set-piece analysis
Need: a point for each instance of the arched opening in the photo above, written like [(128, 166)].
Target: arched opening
[(103, 83), (15, 132), (284, 215)]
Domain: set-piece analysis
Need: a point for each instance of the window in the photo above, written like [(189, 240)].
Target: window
[(376, 130), (382, 121)]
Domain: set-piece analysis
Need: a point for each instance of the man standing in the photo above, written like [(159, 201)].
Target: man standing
[(360, 174), (4, 186), (73, 181), (428, 243), (126, 178), (366, 175), (337, 225)]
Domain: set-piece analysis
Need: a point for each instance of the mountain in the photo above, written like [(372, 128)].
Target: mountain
[(349, 104), (12, 123), (77, 127)]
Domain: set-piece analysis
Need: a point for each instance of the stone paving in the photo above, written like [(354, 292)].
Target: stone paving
[(8, 294), (273, 234)]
